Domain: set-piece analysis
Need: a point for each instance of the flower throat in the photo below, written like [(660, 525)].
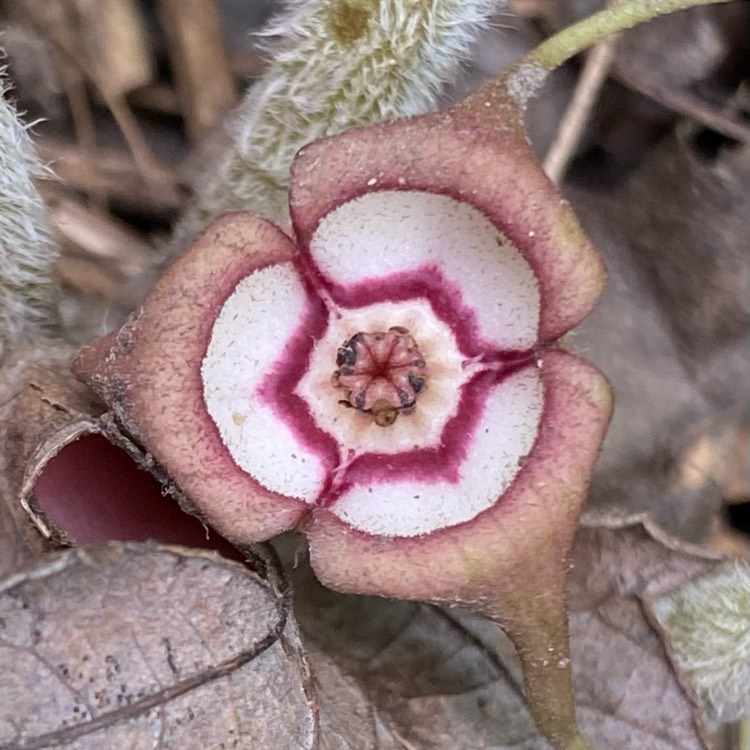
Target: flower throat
[(381, 373)]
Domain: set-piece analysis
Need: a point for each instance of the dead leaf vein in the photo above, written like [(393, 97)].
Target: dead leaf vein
[(69, 734)]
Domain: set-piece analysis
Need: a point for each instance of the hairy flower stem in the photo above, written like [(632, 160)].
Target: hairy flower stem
[(536, 621), (27, 248), (335, 65), (708, 635), (524, 78)]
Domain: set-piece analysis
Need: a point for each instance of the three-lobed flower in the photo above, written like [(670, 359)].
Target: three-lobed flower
[(389, 379)]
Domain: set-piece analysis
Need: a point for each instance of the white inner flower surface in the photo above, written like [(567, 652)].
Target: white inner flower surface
[(356, 431), (495, 453), (249, 337), (384, 233)]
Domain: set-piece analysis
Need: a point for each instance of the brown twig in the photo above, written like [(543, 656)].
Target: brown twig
[(83, 124), (687, 104), (146, 163), (578, 113), (202, 71), (110, 172)]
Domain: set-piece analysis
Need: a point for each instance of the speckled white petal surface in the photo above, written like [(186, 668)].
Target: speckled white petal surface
[(249, 336), (503, 436), (355, 431), (388, 232)]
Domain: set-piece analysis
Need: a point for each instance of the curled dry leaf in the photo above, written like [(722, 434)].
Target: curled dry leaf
[(39, 403), (69, 475), (135, 646), (445, 679)]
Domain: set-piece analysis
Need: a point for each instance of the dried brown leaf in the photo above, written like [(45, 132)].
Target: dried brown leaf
[(38, 399), (671, 330), (631, 697), (136, 646), (347, 716), (445, 680)]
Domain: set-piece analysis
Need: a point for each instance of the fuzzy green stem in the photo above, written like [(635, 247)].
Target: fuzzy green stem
[(578, 37), (336, 64), (705, 624), (537, 624), (28, 288), (524, 78)]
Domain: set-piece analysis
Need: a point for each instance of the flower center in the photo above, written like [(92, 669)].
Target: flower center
[(381, 373)]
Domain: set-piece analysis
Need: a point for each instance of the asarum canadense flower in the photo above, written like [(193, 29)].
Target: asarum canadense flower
[(389, 379)]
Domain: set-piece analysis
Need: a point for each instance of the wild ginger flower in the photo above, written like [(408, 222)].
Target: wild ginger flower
[(389, 380)]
